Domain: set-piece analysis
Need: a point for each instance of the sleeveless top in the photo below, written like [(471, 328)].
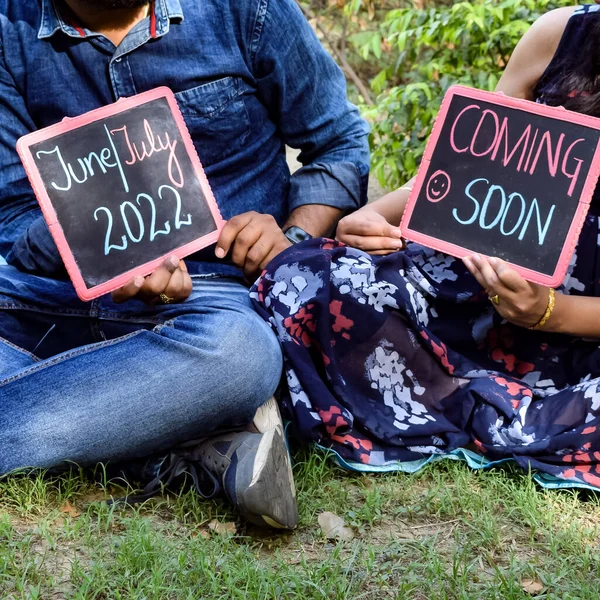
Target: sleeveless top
[(565, 61)]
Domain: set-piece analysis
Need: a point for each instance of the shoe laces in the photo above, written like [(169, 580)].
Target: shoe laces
[(174, 466)]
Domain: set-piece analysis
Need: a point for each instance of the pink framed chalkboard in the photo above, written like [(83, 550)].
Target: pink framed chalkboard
[(505, 177), (121, 188)]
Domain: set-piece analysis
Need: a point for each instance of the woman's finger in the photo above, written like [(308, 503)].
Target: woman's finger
[(474, 270), (491, 281), (370, 243), (382, 252), (505, 295), (509, 277), (371, 224), (390, 231)]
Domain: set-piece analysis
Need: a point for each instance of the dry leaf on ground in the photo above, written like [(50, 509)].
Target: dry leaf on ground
[(68, 509), (95, 496), (334, 527), (532, 587), (222, 528)]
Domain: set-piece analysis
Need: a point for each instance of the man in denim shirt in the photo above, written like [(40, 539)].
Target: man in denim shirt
[(179, 355)]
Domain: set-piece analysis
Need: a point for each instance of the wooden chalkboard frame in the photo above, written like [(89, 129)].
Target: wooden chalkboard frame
[(24, 145), (501, 99)]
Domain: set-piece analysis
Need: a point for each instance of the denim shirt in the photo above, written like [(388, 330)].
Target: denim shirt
[(249, 75)]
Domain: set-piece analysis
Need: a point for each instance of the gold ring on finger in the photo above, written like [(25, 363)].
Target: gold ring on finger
[(495, 299), (166, 299)]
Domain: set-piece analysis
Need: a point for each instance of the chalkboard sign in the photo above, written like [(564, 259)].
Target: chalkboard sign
[(121, 188), (508, 178)]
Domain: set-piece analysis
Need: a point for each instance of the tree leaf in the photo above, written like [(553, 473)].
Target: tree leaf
[(222, 528), (533, 587), (333, 527), (68, 509)]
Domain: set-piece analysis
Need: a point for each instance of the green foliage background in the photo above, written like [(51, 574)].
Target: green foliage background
[(418, 52)]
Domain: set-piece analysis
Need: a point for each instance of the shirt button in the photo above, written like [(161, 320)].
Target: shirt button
[(117, 60)]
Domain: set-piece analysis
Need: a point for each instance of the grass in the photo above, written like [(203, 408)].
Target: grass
[(445, 533)]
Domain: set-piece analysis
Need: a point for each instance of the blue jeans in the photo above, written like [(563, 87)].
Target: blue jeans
[(97, 381)]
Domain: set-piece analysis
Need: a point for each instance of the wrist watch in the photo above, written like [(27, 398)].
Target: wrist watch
[(296, 234)]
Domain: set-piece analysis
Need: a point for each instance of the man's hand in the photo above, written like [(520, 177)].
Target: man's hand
[(254, 240), (171, 279), (369, 231), (519, 301)]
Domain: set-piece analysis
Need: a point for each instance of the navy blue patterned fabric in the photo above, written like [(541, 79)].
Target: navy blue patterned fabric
[(397, 358)]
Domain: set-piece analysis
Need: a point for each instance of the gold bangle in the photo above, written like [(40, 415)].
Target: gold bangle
[(549, 309)]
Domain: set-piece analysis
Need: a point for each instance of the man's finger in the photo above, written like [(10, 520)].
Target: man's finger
[(275, 251), (129, 290), (156, 283), (260, 255), (245, 239), (230, 232), (175, 287)]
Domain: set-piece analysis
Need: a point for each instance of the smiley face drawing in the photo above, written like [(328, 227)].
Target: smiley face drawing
[(438, 186)]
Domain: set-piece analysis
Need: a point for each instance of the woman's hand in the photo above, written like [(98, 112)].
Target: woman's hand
[(369, 231), (169, 284), (519, 301)]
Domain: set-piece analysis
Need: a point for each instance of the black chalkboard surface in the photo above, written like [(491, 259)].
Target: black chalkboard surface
[(121, 188), (508, 178)]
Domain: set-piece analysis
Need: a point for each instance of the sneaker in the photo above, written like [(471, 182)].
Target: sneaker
[(161, 472), (267, 417), (253, 468), (256, 474)]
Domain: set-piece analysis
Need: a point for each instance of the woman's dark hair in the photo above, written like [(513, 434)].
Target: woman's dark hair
[(576, 83)]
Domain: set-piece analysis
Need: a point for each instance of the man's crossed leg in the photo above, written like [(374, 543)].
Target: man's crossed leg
[(98, 382)]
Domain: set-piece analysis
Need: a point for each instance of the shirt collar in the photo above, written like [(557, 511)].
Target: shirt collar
[(165, 11)]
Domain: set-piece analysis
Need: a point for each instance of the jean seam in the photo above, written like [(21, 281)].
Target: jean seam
[(19, 306), (124, 318), (206, 276), (259, 23), (169, 323), (228, 279), (19, 349), (66, 356), (107, 315)]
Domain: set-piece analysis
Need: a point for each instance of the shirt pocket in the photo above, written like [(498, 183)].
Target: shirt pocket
[(217, 119)]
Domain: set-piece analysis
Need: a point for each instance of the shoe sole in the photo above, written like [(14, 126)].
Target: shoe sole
[(270, 497), (267, 417)]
